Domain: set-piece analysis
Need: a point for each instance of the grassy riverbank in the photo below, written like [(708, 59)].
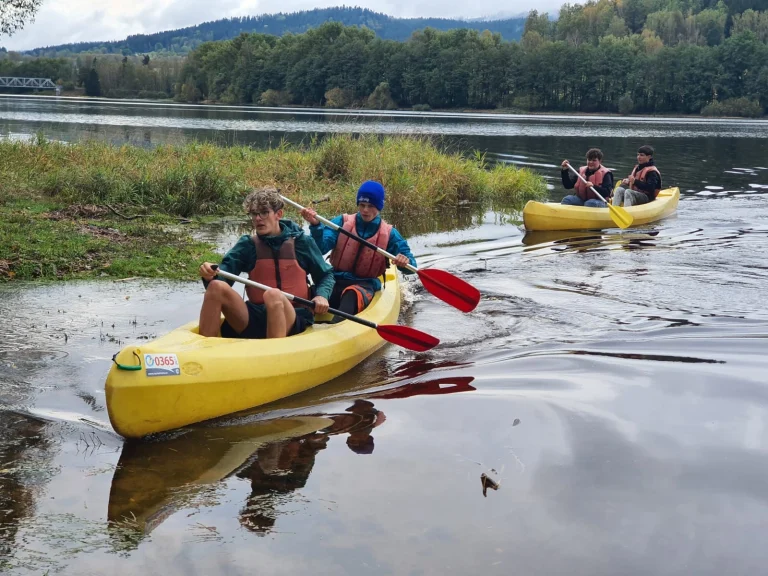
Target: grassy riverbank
[(65, 209), (44, 240)]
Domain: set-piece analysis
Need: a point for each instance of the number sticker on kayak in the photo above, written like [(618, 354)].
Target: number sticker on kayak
[(161, 364)]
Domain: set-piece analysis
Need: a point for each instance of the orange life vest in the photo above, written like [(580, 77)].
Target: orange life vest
[(641, 176), (595, 179), (351, 256), (278, 269)]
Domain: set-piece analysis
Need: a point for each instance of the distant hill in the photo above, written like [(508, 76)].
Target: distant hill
[(183, 40)]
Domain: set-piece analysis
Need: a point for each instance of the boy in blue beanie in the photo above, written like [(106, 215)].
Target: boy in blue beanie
[(356, 267)]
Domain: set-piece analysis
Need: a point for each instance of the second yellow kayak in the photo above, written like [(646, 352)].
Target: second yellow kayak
[(553, 216)]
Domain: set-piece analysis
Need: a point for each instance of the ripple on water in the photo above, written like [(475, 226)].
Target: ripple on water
[(614, 381)]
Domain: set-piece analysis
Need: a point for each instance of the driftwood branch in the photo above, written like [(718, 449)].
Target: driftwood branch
[(124, 216)]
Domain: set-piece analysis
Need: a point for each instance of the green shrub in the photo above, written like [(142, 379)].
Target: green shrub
[(626, 104), (739, 107), (273, 98), (381, 98)]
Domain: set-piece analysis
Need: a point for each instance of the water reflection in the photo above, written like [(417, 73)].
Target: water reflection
[(157, 478), (595, 356), (582, 240), (282, 467), (239, 119), (24, 466), (684, 501)]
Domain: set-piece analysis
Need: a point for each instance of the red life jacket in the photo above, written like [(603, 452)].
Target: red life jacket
[(641, 176), (596, 179), (351, 256), (278, 269)]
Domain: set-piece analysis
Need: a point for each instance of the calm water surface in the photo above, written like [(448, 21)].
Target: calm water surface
[(611, 385)]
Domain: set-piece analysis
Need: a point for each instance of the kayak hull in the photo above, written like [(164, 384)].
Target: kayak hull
[(553, 216), (214, 377)]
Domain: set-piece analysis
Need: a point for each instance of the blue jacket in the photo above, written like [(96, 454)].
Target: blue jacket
[(325, 237)]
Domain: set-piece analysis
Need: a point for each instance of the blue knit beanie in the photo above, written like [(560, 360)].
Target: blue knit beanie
[(372, 192)]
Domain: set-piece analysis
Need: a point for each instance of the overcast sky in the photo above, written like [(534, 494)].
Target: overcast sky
[(63, 21)]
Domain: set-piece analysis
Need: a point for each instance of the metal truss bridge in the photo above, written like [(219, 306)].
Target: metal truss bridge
[(36, 83)]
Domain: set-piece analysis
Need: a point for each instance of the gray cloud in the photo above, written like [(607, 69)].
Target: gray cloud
[(63, 21)]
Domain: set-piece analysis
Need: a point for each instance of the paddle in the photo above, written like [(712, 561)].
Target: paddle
[(404, 336), (618, 214), (447, 287)]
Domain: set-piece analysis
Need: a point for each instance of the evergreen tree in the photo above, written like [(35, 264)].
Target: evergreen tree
[(92, 84)]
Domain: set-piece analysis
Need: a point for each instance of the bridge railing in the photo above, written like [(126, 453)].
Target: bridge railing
[(37, 83)]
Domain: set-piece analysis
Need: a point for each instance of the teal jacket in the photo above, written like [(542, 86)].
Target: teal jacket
[(242, 257), (325, 237)]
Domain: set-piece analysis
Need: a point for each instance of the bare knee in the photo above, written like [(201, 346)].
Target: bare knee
[(273, 300), (216, 290)]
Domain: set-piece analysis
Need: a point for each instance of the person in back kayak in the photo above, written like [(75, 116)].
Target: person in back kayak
[(597, 174), (643, 184), (357, 267), (280, 255)]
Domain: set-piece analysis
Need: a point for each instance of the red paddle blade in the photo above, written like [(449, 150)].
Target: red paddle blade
[(407, 337), (450, 289)]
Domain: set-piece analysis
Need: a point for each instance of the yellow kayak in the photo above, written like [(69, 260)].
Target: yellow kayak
[(552, 216), (183, 378)]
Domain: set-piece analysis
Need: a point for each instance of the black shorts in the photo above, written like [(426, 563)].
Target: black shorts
[(364, 294), (257, 323)]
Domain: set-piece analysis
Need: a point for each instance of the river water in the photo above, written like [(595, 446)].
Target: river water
[(611, 384)]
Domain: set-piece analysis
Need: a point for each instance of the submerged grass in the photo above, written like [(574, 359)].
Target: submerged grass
[(41, 177), (35, 245)]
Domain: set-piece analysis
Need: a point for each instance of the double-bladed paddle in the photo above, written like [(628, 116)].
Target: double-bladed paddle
[(404, 336), (447, 287), (619, 215)]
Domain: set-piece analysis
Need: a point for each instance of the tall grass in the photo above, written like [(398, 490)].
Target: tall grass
[(206, 179)]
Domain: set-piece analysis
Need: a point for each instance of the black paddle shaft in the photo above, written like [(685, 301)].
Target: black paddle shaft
[(337, 313)]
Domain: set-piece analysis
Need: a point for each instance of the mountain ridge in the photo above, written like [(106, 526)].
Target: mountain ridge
[(183, 40)]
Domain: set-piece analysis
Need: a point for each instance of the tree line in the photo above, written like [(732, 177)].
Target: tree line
[(603, 56), (104, 75), (627, 56)]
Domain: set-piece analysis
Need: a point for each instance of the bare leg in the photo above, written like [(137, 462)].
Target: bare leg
[(219, 297), (280, 314)]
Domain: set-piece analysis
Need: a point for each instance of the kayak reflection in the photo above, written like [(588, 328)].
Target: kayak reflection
[(155, 479), (589, 239)]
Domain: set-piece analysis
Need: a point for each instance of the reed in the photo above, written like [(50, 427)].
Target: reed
[(201, 178), (59, 203)]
